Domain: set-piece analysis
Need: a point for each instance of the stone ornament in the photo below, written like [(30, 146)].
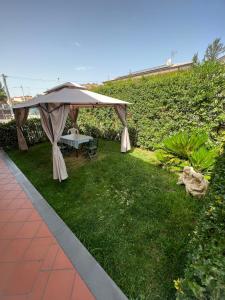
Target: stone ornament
[(195, 183)]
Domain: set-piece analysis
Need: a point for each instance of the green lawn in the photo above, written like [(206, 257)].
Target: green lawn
[(125, 209)]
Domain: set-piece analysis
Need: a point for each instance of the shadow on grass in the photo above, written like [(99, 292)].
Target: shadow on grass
[(129, 213)]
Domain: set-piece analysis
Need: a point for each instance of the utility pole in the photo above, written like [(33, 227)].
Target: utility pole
[(22, 92), (7, 93)]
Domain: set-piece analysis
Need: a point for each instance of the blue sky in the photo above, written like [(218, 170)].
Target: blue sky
[(91, 41)]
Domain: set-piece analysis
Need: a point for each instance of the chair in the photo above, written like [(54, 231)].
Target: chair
[(64, 148), (91, 148), (73, 131)]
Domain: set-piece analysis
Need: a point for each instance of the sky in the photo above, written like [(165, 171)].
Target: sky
[(46, 42)]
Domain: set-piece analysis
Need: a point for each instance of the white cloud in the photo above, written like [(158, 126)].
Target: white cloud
[(77, 44), (83, 68)]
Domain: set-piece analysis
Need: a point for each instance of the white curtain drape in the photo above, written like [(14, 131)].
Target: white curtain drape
[(53, 119), (21, 115), (125, 139), (73, 114)]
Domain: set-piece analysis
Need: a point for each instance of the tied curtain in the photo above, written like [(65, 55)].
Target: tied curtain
[(53, 119), (21, 115), (73, 114), (125, 139)]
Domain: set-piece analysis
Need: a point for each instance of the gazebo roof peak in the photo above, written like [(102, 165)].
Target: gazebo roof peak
[(69, 84)]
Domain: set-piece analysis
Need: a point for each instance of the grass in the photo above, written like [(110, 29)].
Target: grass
[(125, 209)]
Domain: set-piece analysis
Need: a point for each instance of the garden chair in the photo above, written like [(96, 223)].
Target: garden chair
[(73, 131), (64, 148), (91, 148)]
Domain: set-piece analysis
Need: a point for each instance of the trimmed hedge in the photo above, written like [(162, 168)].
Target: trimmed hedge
[(32, 131), (205, 273), (163, 105)]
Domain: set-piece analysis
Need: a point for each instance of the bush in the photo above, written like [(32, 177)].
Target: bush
[(203, 159), (32, 131), (163, 105), (183, 144), (205, 272), (187, 148)]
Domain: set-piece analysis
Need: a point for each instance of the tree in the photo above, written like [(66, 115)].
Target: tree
[(195, 59), (3, 97), (214, 50)]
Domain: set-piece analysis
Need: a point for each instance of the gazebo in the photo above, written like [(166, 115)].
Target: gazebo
[(55, 105)]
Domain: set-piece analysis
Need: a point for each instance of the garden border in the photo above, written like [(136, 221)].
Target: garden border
[(98, 281)]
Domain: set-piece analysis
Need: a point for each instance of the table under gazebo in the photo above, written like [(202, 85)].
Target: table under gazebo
[(55, 105)]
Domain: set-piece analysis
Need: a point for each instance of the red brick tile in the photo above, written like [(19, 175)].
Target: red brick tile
[(9, 230), (50, 257), (80, 290), (39, 286), (6, 214), (22, 279), (21, 215), (8, 194), (6, 269), (10, 180), (43, 231), (3, 244), (59, 285), (38, 248), (61, 261), (5, 203), (5, 173), (22, 194), (14, 250), (2, 224), (28, 230), (17, 297), (16, 203), (11, 187), (34, 216), (32, 265), (26, 204)]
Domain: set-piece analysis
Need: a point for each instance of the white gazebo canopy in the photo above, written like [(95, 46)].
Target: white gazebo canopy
[(71, 93), (55, 105)]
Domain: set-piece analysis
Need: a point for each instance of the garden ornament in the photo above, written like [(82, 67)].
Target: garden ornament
[(195, 183)]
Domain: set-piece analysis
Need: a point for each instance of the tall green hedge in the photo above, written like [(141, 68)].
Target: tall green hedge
[(164, 104), (161, 106)]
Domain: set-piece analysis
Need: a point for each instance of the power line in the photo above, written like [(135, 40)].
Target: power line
[(34, 79), (58, 79)]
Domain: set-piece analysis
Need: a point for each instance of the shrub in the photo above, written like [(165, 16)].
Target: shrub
[(183, 144), (32, 131), (204, 276), (203, 159), (187, 148)]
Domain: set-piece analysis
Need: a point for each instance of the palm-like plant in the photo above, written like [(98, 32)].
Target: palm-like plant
[(183, 144), (187, 148)]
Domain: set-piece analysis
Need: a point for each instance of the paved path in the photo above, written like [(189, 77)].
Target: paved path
[(32, 264)]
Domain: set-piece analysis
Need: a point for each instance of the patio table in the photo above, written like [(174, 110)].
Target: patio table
[(74, 140)]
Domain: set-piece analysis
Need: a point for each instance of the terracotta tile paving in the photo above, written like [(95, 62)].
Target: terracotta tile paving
[(33, 266)]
